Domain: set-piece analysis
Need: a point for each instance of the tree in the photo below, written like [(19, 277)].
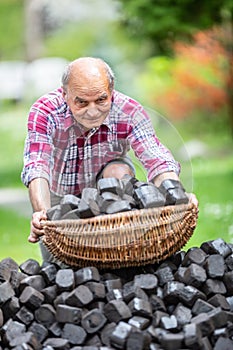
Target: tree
[(181, 92), (34, 35), (163, 22)]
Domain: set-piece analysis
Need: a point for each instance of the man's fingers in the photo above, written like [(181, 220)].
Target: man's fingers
[(33, 238), (193, 199), (36, 227), (37, 217), (35, 234)]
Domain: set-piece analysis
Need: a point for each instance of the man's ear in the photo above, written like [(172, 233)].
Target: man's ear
[(64, 94)]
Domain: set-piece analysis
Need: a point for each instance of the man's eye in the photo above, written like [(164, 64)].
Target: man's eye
[(101, 100), (81, 103)]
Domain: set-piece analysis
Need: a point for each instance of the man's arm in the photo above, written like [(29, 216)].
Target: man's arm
[(164, 176), (170, 175), (40, 200)]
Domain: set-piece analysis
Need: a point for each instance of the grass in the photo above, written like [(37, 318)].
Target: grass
[(213, 186), (14, 233), (12, 135), (211, 179), (14, 228)]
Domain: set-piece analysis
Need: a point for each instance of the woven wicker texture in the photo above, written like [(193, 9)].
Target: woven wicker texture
[(124, 239)]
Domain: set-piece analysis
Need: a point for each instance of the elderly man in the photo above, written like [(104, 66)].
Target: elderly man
[(83, 130)]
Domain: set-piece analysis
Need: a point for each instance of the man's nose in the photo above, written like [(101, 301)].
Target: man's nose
[(92, 110)]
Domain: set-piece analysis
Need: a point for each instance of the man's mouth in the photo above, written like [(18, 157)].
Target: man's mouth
[(96, 119)]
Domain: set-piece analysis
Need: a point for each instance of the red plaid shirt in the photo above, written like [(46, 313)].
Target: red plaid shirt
[(57, 150)]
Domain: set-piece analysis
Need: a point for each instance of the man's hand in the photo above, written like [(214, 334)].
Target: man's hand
[(193, 199), (36, 228), (173, 176)]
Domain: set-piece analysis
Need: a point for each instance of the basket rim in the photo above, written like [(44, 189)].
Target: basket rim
[(117, 216)]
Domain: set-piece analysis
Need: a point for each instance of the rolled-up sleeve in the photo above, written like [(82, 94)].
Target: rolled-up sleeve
[(155, 157)]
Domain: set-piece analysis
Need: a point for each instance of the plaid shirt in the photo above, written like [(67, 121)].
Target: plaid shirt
[(56, 148)]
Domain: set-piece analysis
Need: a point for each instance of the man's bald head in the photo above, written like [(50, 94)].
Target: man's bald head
[(88, 69)]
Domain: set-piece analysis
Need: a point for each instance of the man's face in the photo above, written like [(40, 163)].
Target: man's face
[(89, 99)]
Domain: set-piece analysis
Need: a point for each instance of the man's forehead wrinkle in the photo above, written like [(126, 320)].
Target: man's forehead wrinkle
[(83, 91)]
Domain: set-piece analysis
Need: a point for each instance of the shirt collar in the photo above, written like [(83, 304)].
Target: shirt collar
[(110, 117), (69, 119)]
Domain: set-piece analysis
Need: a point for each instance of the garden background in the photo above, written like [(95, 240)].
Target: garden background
[(175, 57)]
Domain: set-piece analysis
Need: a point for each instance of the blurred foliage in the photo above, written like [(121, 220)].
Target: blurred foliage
[(193, 83), (164, 22), (168, 85), (89, 38), (69, 42), (98, 39), (11, 29)]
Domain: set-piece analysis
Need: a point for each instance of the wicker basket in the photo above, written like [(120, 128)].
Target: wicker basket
[(125, 239)]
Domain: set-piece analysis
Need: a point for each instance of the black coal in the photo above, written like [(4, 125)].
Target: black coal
[(185, 302)]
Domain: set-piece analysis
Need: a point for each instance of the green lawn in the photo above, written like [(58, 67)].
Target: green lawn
[(12, 136), (213, 181), (14, 230)]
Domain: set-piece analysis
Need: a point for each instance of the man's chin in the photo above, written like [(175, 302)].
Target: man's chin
[(89, 126), (93, 123)]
